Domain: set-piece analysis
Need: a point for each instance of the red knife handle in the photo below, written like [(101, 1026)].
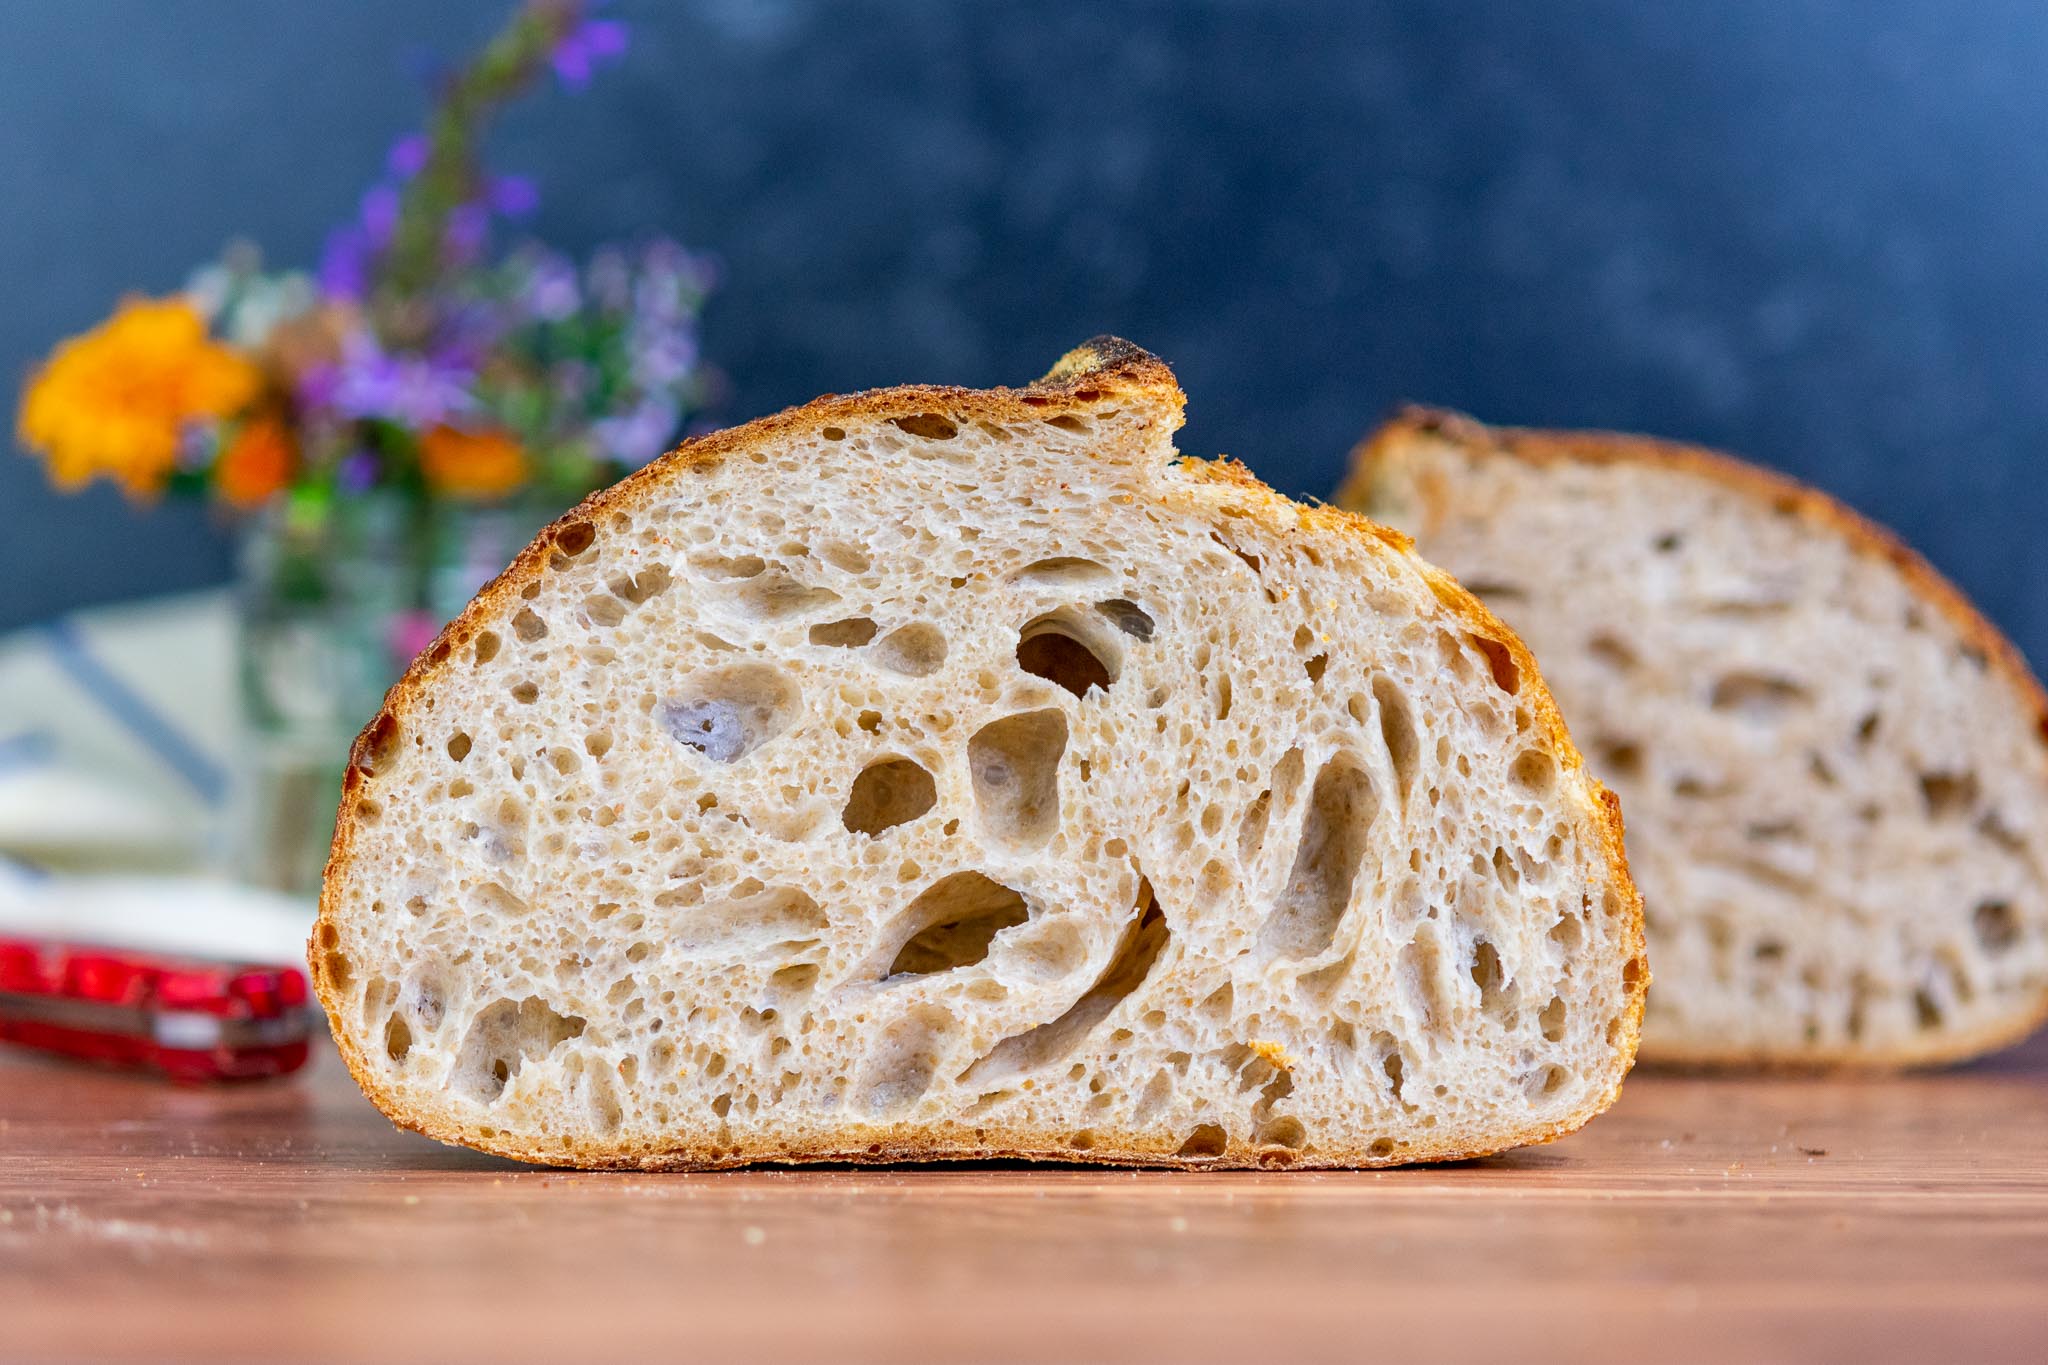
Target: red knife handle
[(191, 1020)]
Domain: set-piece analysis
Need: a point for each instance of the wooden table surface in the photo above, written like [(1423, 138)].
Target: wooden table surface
[(1777, 1218)]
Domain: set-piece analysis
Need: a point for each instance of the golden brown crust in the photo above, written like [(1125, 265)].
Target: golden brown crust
[(1102, 367), (1784, 496)]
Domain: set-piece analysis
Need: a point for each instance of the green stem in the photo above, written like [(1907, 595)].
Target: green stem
[(451, 177)]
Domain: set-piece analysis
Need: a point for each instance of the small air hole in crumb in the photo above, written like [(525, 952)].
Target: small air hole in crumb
[(397, 1038), (1316, 667), (528, 626), (1926, 1012), (1207, 1140), (525, 693), (486, 647), (1948, 794), (833, 433), (458, 746), (1995, 926)]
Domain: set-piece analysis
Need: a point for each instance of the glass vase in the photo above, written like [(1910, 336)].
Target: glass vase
[(333, 601)]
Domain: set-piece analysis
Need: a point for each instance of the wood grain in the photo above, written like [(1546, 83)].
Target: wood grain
[(1704, 1218)]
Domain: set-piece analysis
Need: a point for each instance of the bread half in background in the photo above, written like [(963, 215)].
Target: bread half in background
[(931, 774), (1833, 768)]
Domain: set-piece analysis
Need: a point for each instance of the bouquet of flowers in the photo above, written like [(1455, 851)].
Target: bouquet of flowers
[(398, 422), (418, 358)]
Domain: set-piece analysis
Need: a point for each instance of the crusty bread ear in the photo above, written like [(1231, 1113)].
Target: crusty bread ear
[(1834, 768), (932, 774)]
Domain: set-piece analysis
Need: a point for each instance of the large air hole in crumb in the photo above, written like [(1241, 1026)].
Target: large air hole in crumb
[(1064, 571), (1208, 1140), (889, 792), (762, 926), (1757, 697), (1534, 772), (727, 713), (1305, 915), (650, 582), (775, 595), (850, 633), (1397, 732), (1567, 932), (1418, 974), (900, 1062), (603, 610), (1251, 831), (1491, 979), (1014, 763), (929, 426), (504, 1036), (1053, 1042), (397, 1038), (1064, 649), (1392, 1065), (952, 924), (1285, 1130), (916, 650), (1500, 661), (728, 567), (1128, 617)]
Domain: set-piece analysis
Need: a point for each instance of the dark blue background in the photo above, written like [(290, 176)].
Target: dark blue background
[(1815, 233)]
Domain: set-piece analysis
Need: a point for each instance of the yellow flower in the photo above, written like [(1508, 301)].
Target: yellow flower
[(113, 401), (256, 464), (471, 464)]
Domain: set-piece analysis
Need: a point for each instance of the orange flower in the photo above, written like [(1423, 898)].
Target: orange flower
[(113, 401), (256, 464), (471, 464)]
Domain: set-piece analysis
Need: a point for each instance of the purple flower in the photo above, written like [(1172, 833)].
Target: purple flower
[(663, 355), (368, 382), (585, 47), (379, 214), (514, 196), (551, 292), (357, 472), (345, 263), (637, 436), (408, 156)]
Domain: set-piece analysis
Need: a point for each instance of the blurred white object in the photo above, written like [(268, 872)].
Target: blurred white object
[(116, 730), (192, 917)]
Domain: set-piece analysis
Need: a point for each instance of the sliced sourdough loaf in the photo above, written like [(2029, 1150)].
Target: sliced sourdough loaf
[(932, 773), (1834, 769)]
